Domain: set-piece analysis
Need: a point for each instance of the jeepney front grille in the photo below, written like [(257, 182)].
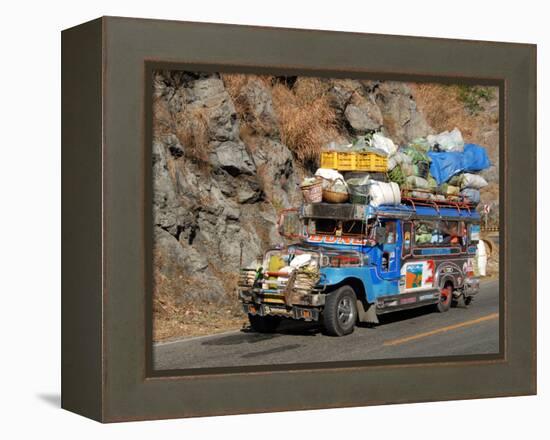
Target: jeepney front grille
[(273, 298)]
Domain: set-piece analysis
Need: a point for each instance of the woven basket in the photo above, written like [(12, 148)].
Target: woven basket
[(313, 193), (334, 196)]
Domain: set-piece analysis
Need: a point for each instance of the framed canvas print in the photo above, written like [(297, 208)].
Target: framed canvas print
[(262, 219)]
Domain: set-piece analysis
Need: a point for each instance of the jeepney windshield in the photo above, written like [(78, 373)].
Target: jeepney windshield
[(344, 228)]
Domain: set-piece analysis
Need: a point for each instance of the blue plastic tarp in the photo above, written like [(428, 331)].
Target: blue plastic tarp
[(445, 165), (475, 158)]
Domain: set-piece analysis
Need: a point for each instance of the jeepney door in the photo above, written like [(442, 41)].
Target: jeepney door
[(391, 251), (406, 239)]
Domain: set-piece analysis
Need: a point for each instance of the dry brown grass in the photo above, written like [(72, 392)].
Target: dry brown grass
[(192, 318), (444, 110), (191, 129), (163, 123), (174, 315), (306, 120), (235, 82), (235, 85), (493, 260)]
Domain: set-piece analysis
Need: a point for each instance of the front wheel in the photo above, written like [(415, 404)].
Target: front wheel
[(445, 298), (462, 301), (340, 312), (264, 324)]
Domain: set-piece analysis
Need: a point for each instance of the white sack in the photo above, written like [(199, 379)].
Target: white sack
[(383, 143), (402, 158), (328, 176), (448, 141), (392, 163), (417, 182), (300, 260), (474, 181)]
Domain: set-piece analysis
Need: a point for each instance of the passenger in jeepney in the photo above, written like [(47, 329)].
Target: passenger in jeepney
[(339, 228), (450, 233), (390, 232)]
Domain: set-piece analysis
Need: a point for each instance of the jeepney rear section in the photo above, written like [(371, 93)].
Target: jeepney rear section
[(290, 282)]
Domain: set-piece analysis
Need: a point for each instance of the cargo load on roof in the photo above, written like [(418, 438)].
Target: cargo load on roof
[(374, 170)]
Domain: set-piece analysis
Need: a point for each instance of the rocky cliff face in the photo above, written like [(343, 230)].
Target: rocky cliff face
[(228, 154)]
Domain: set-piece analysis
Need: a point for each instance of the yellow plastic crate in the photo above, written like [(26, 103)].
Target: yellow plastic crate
[(354, 161), (329, 159), (372, 162)]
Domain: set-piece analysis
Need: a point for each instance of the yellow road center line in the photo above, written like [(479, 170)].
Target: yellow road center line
[(442, 330)]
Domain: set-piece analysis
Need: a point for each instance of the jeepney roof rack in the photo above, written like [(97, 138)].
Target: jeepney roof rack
[(458, 204)]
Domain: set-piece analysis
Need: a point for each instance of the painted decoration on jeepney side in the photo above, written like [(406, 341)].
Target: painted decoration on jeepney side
[(332, 239), (418, 275), (413, 276)]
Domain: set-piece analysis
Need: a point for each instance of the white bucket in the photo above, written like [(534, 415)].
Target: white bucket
[(382, 193)]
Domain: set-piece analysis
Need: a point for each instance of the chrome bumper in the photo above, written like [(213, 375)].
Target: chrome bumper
[(293, 312), (256, 296), (296, 304)]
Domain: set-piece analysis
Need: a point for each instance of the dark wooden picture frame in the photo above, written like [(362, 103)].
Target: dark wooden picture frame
[(107, 370)]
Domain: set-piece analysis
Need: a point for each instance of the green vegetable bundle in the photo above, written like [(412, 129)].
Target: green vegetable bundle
[(416, 155), (396, 175)]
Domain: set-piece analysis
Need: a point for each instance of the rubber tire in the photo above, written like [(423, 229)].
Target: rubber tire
[(444, 306), (333, 326), (458, 302), (462, 301), (264, 324)]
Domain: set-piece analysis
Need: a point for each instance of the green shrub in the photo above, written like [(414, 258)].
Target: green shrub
[(472, 96)]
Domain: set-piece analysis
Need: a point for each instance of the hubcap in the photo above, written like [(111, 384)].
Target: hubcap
[(445, 295), (345, 311)]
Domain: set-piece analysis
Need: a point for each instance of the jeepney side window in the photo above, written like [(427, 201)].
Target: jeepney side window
[(407, 237), (450, 232), (322, 226), (353, 227), (426, 233), (391, 237), (463, 232)]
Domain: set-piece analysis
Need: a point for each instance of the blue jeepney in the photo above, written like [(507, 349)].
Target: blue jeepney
[(370, 260)]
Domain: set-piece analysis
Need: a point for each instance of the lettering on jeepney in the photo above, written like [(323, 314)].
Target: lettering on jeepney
[(331, 239)]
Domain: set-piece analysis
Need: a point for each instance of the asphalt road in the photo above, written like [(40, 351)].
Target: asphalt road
[(414, 333)]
